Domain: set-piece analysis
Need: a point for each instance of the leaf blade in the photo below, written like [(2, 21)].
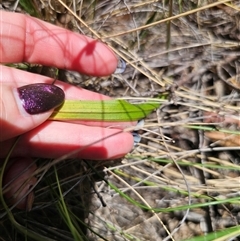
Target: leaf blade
[(107, 110)]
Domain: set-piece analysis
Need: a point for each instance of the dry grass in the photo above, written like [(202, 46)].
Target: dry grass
[(182, 179)]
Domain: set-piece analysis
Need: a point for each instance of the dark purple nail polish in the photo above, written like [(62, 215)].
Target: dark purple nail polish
[(39, 98)]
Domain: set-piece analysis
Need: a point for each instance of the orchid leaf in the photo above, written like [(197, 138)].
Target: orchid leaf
[(107, 110)]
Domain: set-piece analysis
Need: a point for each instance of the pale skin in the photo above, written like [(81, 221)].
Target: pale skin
[(26, 39)]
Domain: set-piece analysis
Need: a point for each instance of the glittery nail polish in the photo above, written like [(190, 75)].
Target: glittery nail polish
[(41, 97), (121, 66)]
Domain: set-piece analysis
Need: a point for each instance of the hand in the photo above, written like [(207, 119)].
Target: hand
[(26, 39)]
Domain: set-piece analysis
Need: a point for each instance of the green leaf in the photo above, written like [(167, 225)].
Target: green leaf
[(107, 110)]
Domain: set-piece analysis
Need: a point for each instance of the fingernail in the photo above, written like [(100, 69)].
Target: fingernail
[(136, 136), (140, 124), (121, 66), (41, 97)]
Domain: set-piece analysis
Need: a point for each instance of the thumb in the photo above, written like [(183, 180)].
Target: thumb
[(24, 108)]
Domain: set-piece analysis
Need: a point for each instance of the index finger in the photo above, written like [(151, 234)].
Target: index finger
[(27, 39)]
